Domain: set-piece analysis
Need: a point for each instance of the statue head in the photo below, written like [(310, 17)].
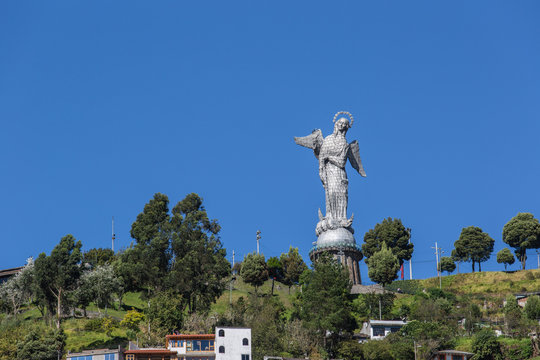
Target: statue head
[(342, 124)]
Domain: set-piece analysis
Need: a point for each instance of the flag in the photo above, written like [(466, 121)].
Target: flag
[(402, 272)]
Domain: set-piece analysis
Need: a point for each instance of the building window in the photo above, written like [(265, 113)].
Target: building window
[(130, 357), (109, 357), (378, 331), (457, 357), (245, 342), (222, 349), (202, 345), (221, 332), (189, 345), (245, 357)]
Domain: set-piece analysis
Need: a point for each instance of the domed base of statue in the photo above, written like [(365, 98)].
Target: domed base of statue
[(341, 245)]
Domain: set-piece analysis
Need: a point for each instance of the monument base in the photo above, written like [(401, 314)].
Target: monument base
[(340, 244)]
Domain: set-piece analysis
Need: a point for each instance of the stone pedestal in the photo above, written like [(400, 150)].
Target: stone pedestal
[(341, 245)]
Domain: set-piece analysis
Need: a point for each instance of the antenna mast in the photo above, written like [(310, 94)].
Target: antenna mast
[(258, 238), (113, 237)]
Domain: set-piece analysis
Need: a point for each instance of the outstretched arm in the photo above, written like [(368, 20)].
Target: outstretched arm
[(354, 158), (313, 141)]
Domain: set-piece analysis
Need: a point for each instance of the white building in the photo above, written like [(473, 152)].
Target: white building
[(233, 343), (379, 329)]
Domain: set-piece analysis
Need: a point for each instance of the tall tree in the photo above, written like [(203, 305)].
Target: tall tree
[(522, 232), (254, 271), (394, 235), (58, 273), (325, 306), (151, 231), (199, 266), (473, 245), (383, 266), (275, 270), (505, 257), (293, 266)]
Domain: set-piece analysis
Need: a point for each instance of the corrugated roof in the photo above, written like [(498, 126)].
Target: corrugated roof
[(191, 337)]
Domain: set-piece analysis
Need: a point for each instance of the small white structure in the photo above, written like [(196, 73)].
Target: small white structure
[(233, 343), (379, 329)]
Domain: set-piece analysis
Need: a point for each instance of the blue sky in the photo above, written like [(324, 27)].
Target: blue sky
[(103, 104)]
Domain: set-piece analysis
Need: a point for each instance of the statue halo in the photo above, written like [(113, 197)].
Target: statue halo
[(344, 113)]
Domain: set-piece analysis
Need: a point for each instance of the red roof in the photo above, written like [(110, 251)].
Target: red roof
[(151, 352), (191, 337)]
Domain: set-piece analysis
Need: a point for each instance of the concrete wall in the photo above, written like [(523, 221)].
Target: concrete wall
[(233, 343)]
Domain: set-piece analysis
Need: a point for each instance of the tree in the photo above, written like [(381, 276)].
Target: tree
[(486, 346), (147, 262), (264, 316), (98, 257), (39, 346), (505, 257), (383, 266), (473, 245), (199, 266), (394, 235), (532, 307), (324, 304), (100, 284), (447, 264), (275, 270), (254, 271), (58, 273), (293, 267), (165, 313), (18, 289), (512, 314), (522, 232)]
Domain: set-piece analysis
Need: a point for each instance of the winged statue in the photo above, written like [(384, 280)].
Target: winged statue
[(333, 153)]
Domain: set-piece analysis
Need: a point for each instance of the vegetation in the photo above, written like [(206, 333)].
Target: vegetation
[(392, 233), (447, 264), (473, 245), (505, 257), (522, 232), (383, 266), (175, 277), (254, 270)]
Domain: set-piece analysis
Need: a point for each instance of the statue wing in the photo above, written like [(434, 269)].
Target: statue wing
[(313, 141), (354, 158)]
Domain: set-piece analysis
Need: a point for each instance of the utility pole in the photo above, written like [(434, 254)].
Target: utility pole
[(436, 257), (232, 279), (410, 260), (113, 237), (258, 238)]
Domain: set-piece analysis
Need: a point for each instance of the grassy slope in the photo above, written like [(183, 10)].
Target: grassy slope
[(486, 283)]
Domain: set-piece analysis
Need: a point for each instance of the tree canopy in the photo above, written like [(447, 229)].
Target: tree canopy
[(293, 266), (58, 273), (505, 257), (447, 264), (473, 245), (522, 232), (394, 235), (324, 301), (180, 250), (254, 271), (383, 266)]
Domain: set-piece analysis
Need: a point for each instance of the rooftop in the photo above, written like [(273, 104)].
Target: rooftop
[(190, 336)]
